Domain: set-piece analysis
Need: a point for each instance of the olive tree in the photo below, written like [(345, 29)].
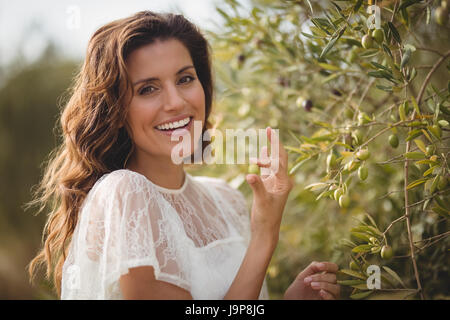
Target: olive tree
[(360, 93)]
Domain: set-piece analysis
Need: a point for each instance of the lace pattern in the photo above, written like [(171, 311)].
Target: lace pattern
[(194, 237)]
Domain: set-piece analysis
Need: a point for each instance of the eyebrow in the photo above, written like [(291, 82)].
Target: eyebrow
[(151, 79)]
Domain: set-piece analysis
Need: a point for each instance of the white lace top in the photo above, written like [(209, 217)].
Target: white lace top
[(194, 237)]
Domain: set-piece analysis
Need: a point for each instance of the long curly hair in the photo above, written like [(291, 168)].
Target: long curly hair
[(93, 141)]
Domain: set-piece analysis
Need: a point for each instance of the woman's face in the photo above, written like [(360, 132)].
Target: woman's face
[(167, 92)]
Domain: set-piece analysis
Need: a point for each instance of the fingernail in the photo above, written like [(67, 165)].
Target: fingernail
[(321, 265), (307, 280), (315, 285)]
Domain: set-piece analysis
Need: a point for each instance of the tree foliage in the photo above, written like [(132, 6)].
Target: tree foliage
[(365, 111)]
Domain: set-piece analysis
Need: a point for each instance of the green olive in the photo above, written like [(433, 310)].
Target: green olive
[(386, 252), (430, 150), (337, 193), (367, 41), (253, 169), (331, 160), (363, 173), (344, 201), (363, 154), (436, 131), (358, 136), (378, 35), (393, 140)]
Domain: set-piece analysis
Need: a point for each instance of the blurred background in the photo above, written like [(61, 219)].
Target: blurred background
[(42, 47)]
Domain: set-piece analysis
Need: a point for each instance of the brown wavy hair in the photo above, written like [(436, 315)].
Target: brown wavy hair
[(93, 141)]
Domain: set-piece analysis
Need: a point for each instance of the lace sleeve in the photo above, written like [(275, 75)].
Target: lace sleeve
[(124, 225)]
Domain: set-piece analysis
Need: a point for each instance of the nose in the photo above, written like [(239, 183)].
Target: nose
[(173, 100)]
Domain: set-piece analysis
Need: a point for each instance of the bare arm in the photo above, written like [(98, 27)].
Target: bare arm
[(270, 192), (140, 284)]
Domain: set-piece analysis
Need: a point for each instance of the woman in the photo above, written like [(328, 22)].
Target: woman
[(127, 222)]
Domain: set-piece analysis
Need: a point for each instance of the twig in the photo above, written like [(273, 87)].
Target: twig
[(430, 50), (430, 197), (392, 223), (424, 85), (406, 169)]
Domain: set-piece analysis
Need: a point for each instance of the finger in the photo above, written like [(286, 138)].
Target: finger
[(260, 162), (315, 267), (326, 295), (278, 154), (322, 277), (256, 184), (334, 289)]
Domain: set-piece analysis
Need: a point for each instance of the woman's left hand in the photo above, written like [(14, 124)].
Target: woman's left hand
[(316, 282)]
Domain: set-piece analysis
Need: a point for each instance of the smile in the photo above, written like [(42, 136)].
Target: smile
[(170, 127)]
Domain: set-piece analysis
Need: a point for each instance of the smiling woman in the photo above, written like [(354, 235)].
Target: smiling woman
[(128, 223)]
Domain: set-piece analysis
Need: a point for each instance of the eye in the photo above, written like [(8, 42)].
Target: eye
[(147, 90), (187, 79)]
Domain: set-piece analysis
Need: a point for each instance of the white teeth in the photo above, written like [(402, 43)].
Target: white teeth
[(173, 125)]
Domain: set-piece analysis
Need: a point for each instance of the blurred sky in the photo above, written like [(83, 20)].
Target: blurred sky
[(27, 24)]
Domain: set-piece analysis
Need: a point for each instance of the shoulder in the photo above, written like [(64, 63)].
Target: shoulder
[(121, 180), (117, 186)]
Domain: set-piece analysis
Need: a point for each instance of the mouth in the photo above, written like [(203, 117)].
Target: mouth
[(179, 125)]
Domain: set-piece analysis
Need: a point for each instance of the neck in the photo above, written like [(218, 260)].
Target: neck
[(160, 170)]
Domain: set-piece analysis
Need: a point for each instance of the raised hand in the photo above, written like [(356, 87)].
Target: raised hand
[(271, 189)]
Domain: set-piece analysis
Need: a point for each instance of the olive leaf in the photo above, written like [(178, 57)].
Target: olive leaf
[(330, 44), (394, 32)]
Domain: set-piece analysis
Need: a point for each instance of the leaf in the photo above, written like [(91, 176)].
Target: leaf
[(327, 66), (428, 14), (415, 105), (361, 236), (413, 134), (357, 5), (394, 275), (362, 248), (331, 77), (384, 88), (421, 145), (324, 194), (298, 165), (361, 295), (317, 185), (427, 135), (387, 50), (379, 66), (442, 212), (371, 220), (416, 183), (414, 155), (294, 136), (430, 170), (350, 282), (352, 273), (405, 58), (330, 44), (395, 33)]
